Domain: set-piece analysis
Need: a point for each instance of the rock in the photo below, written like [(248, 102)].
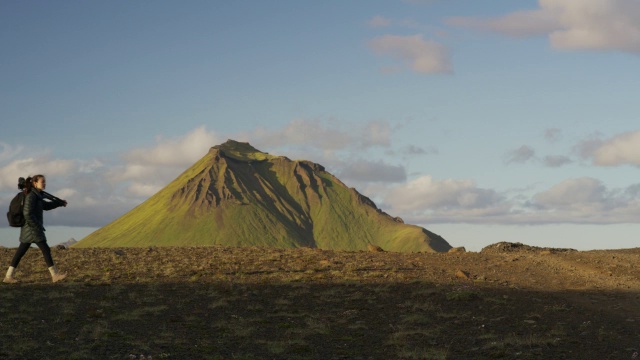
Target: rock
[(374, 248), (325, 263), (459, 249), (463, 275), (508, 247)]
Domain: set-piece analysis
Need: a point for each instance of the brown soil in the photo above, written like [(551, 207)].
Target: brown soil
[(509, 301)]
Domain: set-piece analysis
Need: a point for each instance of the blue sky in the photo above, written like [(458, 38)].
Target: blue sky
[(481, 121)]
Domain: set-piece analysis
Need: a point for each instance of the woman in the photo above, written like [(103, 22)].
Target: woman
[(33, 229)]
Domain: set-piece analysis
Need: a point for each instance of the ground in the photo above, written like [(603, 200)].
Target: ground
[(508, 301)]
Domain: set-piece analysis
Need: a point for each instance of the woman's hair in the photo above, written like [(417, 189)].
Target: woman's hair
[(28, 186)]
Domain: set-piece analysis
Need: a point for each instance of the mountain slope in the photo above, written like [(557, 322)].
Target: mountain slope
[(237, 195)]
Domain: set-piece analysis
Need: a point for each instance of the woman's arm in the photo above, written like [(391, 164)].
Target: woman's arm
[(50, 205)]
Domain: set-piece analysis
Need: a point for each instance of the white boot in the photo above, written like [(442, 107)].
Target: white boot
[(9, 279), (56, 275)]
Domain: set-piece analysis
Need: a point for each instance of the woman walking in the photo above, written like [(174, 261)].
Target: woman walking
[(33, 230)]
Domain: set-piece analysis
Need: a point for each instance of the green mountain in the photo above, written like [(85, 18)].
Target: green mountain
[(239, 196)]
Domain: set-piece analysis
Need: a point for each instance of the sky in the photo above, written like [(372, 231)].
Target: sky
[(482, 121)]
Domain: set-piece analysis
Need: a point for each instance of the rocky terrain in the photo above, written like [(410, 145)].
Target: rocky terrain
[(508, 301)]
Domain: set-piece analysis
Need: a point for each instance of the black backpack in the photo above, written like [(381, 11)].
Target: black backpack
[(15, 215)]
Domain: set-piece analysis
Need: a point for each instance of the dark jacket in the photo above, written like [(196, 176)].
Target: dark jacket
[(33, 229)]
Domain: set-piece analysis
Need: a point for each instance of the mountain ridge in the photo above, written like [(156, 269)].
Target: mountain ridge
[(237, 195)]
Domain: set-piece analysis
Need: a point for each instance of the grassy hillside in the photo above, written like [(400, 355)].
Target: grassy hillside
[(238, 196)]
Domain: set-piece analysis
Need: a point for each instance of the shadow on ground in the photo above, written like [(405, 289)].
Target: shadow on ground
[(205, 304)]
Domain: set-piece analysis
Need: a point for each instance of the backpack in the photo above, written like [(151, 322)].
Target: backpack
[(15, 215)]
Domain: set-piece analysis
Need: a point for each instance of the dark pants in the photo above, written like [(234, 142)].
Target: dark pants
[(22, 249)]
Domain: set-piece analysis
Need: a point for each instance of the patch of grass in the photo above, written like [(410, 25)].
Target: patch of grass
[(558, 307), (219, 303), (294, 346), (417, 319), (317, 326), (529, 342), (422, 353), (141, 312), (463, 294)]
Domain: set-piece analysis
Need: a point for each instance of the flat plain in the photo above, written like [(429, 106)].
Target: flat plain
[(508, 301)]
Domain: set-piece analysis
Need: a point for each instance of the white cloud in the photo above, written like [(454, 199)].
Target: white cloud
[(578, 201), (91, 198), (572, 193), (521, 23), (586, 200), (149, 169), (175, 152), (144, 189), (619, 150), (44, 165), (422, 56), (90, 166), (595, 24), (427, 195), (571, 24), (622, 149)]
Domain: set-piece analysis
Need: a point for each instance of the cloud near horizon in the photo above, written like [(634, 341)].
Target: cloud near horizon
[(619, 150), (426, 193), (32, 165), (108, 187), (177, 151), (570, 25), (101, 190), (426, 200)]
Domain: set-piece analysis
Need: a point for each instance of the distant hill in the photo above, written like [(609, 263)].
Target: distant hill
[(67, 244), (237, 195)]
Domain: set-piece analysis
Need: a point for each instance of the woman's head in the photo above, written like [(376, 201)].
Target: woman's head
[(37, 182)]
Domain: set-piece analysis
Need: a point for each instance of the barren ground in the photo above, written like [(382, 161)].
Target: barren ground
[(509, 301)]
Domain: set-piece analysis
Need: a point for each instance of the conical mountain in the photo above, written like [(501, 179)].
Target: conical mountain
[(237, 195)]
